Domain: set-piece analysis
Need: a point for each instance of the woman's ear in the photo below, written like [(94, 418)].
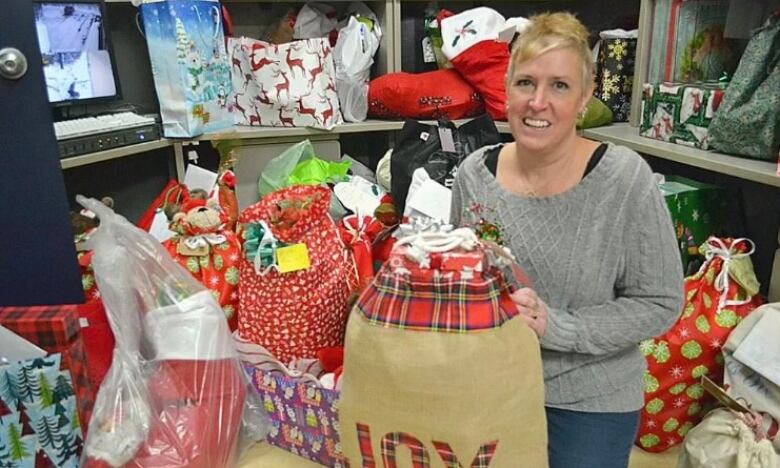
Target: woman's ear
[(587, 92)]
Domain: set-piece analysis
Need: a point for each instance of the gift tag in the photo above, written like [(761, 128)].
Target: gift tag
[(187, 249), (159, 228), (427, 48), (447, 143), (292, 258)]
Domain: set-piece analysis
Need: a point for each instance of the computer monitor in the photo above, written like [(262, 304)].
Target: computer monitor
[(78, 61)]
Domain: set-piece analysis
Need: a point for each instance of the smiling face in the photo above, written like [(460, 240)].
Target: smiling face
[(544, 96)]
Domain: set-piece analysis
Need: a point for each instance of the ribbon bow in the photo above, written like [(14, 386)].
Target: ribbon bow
[(716, 247), (260, 247), (204, 240), (423, 243)]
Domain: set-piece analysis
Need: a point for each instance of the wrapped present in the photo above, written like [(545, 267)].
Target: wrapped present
[(717, 298), (698, 211), (680, 113), (56, 329), (297, 275), (303, 415), (39, 420)]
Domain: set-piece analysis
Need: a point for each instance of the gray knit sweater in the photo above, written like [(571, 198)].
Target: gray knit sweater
[(603, 256)]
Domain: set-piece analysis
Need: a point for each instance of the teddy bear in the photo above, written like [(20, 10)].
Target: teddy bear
[(208, 250)]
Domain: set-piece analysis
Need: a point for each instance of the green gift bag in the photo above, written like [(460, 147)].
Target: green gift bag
[(748, 120)]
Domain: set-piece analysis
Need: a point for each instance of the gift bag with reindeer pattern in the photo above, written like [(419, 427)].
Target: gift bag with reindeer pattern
[(284, 85)]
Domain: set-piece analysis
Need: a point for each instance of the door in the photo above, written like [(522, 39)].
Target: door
[(37, 254)]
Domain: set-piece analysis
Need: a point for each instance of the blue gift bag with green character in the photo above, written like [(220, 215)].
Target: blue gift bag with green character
[(189, 65)]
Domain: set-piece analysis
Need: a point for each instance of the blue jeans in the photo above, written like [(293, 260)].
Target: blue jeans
[(590, 440)]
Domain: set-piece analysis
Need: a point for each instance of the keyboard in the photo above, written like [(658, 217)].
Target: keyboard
[(68, 129)]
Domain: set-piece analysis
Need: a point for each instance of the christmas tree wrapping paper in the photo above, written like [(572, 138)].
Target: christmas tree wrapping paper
[(717, 298), (698, 211), (56, 329), (680, 113), (39, 422)]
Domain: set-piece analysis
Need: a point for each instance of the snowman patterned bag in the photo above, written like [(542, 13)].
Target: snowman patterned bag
[(297, 276), (189, 65)]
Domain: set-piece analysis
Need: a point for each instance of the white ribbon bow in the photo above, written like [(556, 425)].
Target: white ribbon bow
[(424, 243), (719, 249), (204, 240), (267, 240)]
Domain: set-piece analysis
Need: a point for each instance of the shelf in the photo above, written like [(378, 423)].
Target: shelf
[(762, 172), (114, 153), (243, 132)]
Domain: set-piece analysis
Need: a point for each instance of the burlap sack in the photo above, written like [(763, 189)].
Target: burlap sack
[(463, 390)]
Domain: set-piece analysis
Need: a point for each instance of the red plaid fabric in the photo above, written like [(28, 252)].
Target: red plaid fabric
[(50, 327), (56, 329), (420, 457), (436, 301), (481, 460), (74, 359), (364, 439)]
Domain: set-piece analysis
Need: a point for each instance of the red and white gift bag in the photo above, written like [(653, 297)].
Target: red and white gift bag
[(717, 298), (295, 297), (284, 85)]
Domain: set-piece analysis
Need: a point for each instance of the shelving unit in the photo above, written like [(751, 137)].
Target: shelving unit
[(762, 172), (114, 153), (245, 132)]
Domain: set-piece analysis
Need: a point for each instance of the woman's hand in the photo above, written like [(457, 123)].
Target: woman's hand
[(532, 309)]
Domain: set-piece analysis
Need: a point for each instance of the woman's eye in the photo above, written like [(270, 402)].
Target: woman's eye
[(523, 82), (561, 85)]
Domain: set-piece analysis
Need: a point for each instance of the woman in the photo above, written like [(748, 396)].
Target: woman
[(588, 224)]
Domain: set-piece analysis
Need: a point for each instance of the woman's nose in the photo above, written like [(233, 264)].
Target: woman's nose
[(538, 99)]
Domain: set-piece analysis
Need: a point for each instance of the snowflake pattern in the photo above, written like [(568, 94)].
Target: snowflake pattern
[(617, 49), (651, 424), (676, 372), (609, 85), (715, 344), (695, 214), (679, 402), (684, 333)]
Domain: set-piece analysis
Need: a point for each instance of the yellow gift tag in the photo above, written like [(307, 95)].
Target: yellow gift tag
[(292, 258)]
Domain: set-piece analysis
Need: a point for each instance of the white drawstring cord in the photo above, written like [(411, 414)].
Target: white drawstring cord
[(719, 249)]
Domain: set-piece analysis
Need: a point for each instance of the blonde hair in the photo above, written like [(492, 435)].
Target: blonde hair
[(550, 31)]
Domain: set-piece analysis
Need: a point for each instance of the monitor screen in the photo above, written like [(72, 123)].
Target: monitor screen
[(77, 61)]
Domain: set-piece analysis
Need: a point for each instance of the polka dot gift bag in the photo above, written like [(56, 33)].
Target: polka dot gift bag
[(297, 276), (717, 297)]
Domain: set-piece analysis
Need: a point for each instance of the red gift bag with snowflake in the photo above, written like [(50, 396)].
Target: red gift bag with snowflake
[(717, 297), (209, 251), (297, 275)]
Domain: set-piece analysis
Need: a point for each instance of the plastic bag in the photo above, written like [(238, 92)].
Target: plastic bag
[(277, 172), (175, 394)]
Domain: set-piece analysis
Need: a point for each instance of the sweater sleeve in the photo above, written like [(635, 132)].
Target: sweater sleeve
[(648, 295), (456, 204)]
